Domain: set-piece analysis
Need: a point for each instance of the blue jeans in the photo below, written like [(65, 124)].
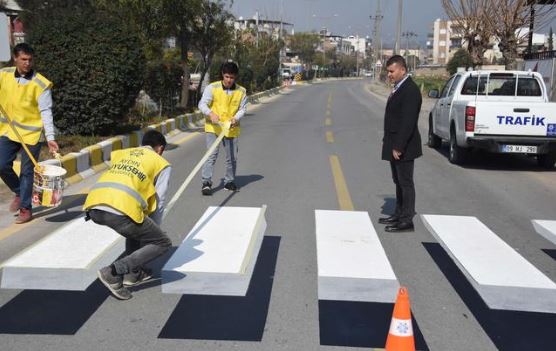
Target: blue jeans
[(144, 241), (22, 186), (230, 146)]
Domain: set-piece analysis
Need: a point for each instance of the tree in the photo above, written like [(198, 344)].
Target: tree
[(305, 44), (163, 19), (94, 60), (211, 32), (461, 58), (506, 18), (469, 17)]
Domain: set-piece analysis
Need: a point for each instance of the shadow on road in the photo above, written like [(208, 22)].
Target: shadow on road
[(203, 317), (550, 252), (241, 181), (508, 330), (51, 312), (389, 206), (359, 324)]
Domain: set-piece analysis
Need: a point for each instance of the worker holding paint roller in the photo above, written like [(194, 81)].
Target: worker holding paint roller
[(26, 102), (222, 102), (130, 198)]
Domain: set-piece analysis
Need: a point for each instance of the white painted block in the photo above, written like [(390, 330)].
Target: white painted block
[(546, 228), (504, 279), (352, 264), (218, 255), (67, 259)]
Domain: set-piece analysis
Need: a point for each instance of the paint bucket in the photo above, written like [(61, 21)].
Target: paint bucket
[(48, 186)]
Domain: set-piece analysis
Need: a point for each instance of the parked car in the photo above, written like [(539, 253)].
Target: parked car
[(500, 111)]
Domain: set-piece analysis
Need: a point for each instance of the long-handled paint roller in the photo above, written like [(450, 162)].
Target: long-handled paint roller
[(225, 127)]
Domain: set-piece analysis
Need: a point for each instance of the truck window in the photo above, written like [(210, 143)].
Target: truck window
[(470, 86), (505, 85), (528, 86), (501, 85), (446, 88), (454, 85)]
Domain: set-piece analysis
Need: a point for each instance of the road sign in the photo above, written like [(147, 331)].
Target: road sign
[(4, 38)]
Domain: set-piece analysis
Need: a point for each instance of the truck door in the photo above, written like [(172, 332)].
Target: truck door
[(442, 111)]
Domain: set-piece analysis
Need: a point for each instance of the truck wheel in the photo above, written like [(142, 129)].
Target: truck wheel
[(547, 160), (434, 141), (457, 154)]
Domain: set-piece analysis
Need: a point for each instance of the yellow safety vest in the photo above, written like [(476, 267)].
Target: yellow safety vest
[(128, 186), (21, 103), (225, 106)]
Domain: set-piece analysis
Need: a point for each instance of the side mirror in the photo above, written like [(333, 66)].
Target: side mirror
[(434, 94)]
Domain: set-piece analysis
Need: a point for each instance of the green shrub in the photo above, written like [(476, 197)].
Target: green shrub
[(95, 62), (163, 83)]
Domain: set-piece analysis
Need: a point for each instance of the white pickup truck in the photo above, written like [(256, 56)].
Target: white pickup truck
[(500, 111)]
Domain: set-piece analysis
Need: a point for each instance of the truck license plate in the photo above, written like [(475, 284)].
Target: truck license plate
[(525, 149)]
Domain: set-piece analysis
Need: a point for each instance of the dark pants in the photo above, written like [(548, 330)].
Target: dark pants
[(144, 241), (402, 174), (22, 186)]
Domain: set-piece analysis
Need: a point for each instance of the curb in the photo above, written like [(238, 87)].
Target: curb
[(96, 158)]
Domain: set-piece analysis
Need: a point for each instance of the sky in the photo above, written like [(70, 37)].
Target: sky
[(350, 17)]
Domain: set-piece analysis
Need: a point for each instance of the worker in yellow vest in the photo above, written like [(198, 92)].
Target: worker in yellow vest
[(223, 101), (26, 97), (129, 198)]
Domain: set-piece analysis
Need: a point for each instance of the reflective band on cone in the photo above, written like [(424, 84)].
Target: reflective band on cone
[(400, 335)]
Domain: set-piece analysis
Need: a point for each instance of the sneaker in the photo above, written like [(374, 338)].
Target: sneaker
[(207, 189), (136, 278), (25, 216), (16, 202), (113, 283), (231, 186)]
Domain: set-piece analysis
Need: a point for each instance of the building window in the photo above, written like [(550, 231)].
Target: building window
[(443, 31), (442, 43)]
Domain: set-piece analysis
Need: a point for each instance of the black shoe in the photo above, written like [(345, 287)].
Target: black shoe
[(206, 189), (231, 186), (400, 227), (389, 220), (113, 283)]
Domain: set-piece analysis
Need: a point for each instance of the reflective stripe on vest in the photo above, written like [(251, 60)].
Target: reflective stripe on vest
[(123, 188), (20, 101), (133, 173)]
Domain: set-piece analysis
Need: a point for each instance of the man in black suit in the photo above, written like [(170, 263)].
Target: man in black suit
[(401, 144)]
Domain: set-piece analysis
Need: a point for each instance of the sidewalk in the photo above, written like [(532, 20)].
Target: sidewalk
[(382, 90)]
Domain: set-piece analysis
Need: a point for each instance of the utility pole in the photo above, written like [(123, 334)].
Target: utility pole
[(377, 18), (257, 28), (279, 39), (399, 31)]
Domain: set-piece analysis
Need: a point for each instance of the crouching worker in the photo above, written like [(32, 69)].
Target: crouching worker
[(129, 198)]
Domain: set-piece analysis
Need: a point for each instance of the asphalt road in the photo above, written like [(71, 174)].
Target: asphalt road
[(285, 153)]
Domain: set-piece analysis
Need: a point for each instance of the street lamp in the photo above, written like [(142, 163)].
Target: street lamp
[(324, 38)]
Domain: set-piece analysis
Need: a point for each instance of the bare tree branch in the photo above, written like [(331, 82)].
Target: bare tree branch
[(468, 15)]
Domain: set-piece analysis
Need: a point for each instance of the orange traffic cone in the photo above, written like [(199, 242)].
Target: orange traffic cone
[(400, 336)]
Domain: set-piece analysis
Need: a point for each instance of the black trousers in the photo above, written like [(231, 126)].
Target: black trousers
[(402, 174)]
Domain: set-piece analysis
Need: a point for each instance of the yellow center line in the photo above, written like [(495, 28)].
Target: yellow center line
[(328, 113), (344, 199), (186, 138), (329, 137), (328, 122), (15, 228)]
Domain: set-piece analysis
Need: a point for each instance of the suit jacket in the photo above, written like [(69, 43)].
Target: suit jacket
[(400, 123)]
